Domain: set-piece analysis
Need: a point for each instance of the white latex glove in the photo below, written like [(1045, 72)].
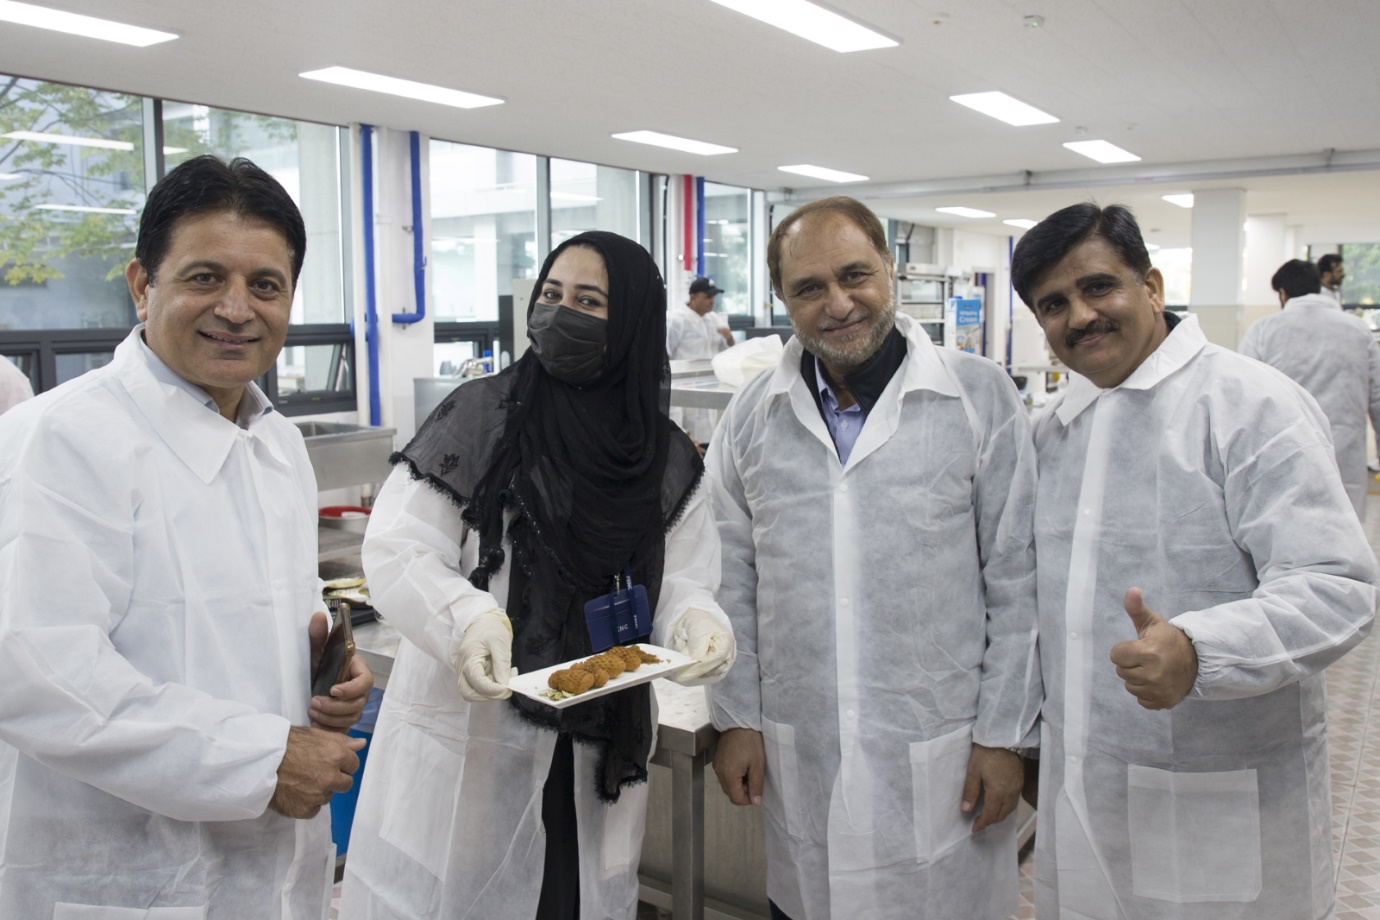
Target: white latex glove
[(700, 636), (486, 658)]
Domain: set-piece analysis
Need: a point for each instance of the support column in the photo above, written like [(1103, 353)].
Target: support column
[(1267, 248), (1219, 243)]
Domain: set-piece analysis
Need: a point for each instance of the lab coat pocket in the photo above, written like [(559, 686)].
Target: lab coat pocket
[(418, 816), (63, 911), (781, 795), (1194, 836), (938, 769)]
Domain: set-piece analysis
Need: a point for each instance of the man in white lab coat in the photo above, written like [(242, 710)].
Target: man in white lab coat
[(694, 333), (159, 606), (1199, 565), (875, 498), (1331, 272), (14, 386), (1331, 354)]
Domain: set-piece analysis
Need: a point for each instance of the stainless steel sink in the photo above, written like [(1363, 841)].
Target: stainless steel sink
[(347, 455)]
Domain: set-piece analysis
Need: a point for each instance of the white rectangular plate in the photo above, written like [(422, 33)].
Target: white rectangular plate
[(534, 685)]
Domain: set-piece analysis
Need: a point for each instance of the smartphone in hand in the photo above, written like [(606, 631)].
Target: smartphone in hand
[(334, 666)]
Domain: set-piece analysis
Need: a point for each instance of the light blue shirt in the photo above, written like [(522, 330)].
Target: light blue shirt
[(844, 424), (253, 403)]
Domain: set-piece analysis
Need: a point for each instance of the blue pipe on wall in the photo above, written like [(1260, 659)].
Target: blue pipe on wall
[(371, 316), (418, 259), (699, 225)]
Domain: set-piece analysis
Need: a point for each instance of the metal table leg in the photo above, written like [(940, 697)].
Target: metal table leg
[(687, 842)]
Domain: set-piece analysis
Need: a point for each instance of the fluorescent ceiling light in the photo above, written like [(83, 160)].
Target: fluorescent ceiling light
[(26, 14), (1183, 201), (426, 92), (1102, 151), (101, 142), (1152, 247), (83, 208), (75, 141), (1024, 223), (6, 177), (1004, 108), (821, 172), (657, 139), (821, 26), (965, 212), (571, 196)]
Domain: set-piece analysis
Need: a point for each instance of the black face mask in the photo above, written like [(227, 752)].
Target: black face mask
[(568, 343)]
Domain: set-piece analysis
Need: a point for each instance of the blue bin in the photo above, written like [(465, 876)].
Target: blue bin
[(343, 803)]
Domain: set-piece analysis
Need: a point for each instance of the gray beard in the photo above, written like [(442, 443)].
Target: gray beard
[(856, 353)]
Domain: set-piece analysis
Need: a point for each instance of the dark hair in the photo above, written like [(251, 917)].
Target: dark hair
[(208, 183), (1296, 278), (1061, 232), (1328, 262), (860, 214)]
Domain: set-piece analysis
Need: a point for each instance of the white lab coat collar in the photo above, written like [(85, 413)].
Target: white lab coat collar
[(200, 438), (1325, 300), (1182, 344)]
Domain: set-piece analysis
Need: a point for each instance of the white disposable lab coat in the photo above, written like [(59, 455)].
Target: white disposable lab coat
[(884, 614), (1207, 480), (157, 575), (1333, 356), (448, 823), (14, 386), (691, 337)]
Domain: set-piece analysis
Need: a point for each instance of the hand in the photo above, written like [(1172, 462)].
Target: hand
[(486, 658), (342, 708), (995, 776), (1159, 666), (740, 763), (700, 636), (728, 336), (316, 765)]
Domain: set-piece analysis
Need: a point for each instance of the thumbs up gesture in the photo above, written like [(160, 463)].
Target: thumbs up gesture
[(1159, 666)]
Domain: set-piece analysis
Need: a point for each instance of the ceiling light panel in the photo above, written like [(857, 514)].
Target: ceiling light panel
[(26, 14), (822, 172), (1183, 201), (1024, 223), (966, 212), (684, 144), (812, 22), (1005, 108), (394, 86), (1102, 151), (82, 208)]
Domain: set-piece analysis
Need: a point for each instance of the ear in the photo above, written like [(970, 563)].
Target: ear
[(138, 281), (1154, 286)]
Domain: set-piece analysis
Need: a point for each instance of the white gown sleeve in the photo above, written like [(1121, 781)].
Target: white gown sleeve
[(411, 558), (71, 701), (1317, 595), (736, 701)]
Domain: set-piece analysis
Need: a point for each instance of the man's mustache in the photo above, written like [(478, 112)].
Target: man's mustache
[(1074, 336)]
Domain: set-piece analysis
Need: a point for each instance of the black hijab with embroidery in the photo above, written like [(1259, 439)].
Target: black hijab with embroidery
[(591, 477)]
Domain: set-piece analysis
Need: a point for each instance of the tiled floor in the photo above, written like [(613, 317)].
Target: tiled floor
[(1353, 702)]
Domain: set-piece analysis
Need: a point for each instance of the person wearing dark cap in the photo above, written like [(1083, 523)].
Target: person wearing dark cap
[(693, 332)]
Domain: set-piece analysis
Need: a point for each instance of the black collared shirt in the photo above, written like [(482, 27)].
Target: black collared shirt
[(867, 382)]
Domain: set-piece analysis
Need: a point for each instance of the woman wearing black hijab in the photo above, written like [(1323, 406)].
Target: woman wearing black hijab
[(520, 499)]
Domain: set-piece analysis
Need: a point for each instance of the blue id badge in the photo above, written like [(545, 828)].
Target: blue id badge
[(619, 617)]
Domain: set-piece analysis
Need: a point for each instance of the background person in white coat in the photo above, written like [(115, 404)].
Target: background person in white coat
[(519, 500), (159, 605), (1199, 565), (14, 385), (875, 498), (1331, 273), (1331, 354), (694, 333)]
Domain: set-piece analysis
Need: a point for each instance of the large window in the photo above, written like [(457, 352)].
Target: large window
[(589, 197), (71, 186), (726, 246), (1361, 287), (483, 228)]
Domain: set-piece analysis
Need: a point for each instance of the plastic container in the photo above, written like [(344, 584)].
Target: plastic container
[(343, 803), (344, 517)]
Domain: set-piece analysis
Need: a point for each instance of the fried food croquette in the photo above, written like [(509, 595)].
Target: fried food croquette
[(631, 658), (601, 676), (612, 663), (570, 681)]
